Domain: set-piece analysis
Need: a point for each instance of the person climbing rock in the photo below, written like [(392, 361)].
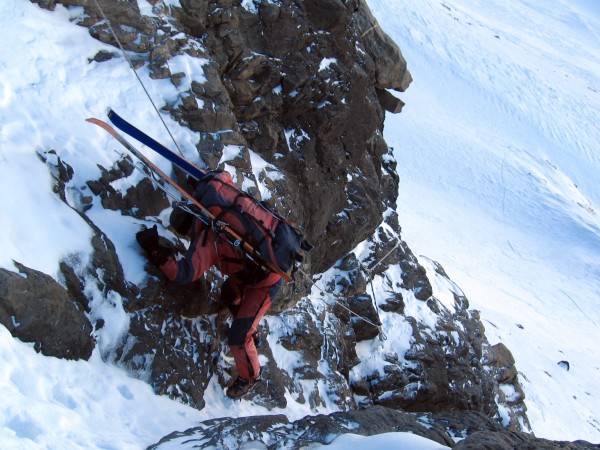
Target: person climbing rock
[(248, 290)]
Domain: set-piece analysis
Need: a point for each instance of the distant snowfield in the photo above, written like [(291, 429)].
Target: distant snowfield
[(499, 161), (499, 164)]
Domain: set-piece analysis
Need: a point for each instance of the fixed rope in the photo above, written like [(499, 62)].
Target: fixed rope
[(114, 34), (398, 242), (338, 300), (369, 273)]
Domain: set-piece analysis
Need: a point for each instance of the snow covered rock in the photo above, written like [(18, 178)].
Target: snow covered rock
[(447, 363), (278, 433), (459, 430), (464, 430), (296, 82)]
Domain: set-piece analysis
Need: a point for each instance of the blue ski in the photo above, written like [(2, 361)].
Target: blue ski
[(142, 137)]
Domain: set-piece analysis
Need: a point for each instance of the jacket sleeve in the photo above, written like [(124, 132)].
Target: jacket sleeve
[(201, 255)]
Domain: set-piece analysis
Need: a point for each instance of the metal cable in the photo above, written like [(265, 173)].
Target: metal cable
[(382, 335), (136, 75)]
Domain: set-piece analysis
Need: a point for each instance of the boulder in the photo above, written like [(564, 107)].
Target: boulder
[(35, 308)]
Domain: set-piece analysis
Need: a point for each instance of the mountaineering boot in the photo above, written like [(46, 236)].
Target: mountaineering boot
[(241, 387)]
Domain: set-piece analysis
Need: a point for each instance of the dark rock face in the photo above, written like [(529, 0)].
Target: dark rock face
[(35, 308), (305, 99)]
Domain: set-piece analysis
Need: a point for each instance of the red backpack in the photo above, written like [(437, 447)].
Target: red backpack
[(277, 241)]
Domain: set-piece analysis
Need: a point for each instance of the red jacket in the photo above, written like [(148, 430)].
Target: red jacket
[(207, 249)]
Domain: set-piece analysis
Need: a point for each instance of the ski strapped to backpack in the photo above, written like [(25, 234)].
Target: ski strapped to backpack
[(264, 237), (127, 128)]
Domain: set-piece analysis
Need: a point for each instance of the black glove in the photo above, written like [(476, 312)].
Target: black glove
[(149, 240)]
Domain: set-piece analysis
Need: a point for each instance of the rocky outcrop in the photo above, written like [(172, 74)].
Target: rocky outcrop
[(277, 432), (299, 83), (450, 365), (291, 95), (35, 308), (460, 430)]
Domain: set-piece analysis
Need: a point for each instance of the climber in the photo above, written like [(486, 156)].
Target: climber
[(247, 292)]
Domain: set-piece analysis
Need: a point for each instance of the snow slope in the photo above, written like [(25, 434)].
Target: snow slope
[(499, 162), (496, 150)]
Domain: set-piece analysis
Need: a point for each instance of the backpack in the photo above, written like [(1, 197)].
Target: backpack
[(277, 241)]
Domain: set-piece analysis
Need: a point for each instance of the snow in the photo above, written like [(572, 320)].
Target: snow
[(497, 151), (326, 62), (384, 440), (261, 169), (53, 403), (249, 6), (230, 152), (191, 67), (498, 160)]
